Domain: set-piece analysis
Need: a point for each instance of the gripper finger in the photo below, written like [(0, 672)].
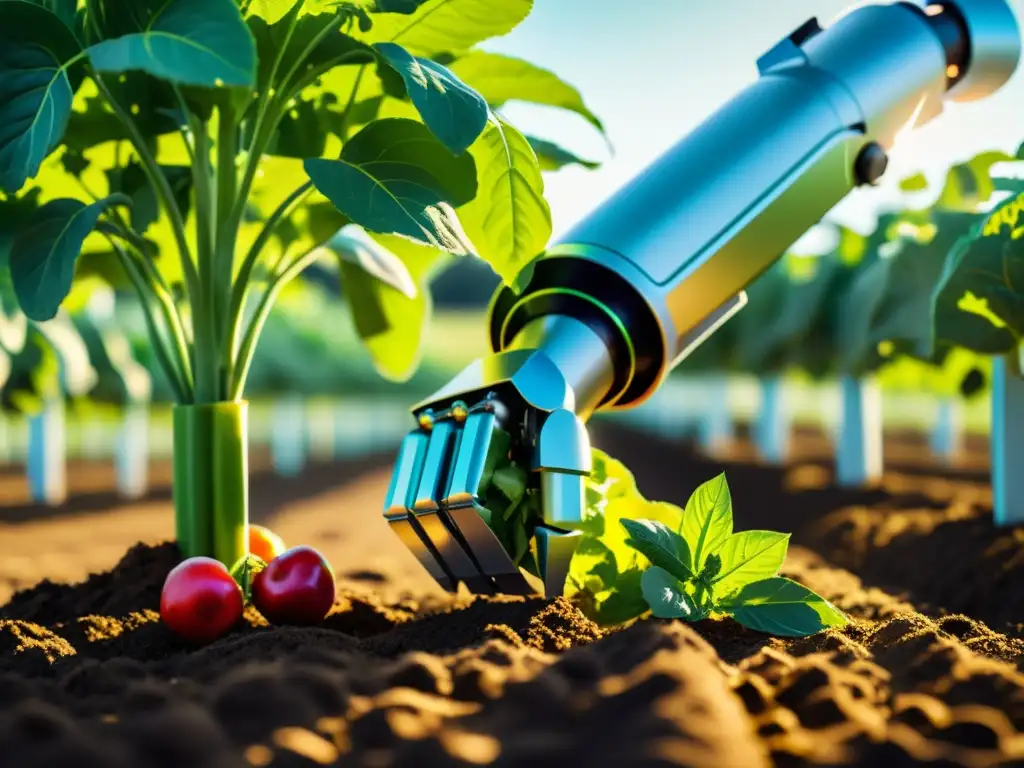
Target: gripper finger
[(562, 503), (477, 451), (398, 507), (428, 513)]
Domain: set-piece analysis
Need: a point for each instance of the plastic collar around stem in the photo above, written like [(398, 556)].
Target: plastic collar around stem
[(211, 480)]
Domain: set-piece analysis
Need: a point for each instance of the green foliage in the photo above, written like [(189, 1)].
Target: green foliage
[(38, 77), (978, 301), (453, 111), (187, 42), (205, 153), (689, 564), (42, 259)]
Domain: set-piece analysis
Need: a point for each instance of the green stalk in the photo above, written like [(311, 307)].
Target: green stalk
[(204, 320), (159, 181), (160, 291), (252, 335), (164, 357), (226, 235), (211, 480), (241, 287)]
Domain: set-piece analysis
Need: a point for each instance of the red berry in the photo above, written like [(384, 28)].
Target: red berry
[(200, 601), (296, 587)]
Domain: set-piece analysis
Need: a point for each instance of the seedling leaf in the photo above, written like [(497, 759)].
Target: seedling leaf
[(749, 556), (707, 519), (665, 595), (780, 606), (661, 545)]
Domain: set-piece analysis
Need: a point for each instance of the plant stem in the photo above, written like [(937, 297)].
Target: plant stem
[(204, 320), (279, 281), (226, 235), (160, 184), (242, 282), (162, 293), (163, 354)]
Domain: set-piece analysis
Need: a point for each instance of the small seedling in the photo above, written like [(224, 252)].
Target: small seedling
[(702, 569)]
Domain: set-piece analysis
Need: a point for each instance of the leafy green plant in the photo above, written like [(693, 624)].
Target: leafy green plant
[(702, 568), (202, 152), (686, 563)]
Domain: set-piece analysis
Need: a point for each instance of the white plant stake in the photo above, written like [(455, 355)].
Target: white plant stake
[(1007, 442), (131, 454), (288, 435), (320, 418), (859, 444), (772, 430), (46, 462), (948, 432), (715, 428)]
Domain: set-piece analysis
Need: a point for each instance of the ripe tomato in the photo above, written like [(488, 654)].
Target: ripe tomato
[(264, 543), (200, 601), (296, 587)]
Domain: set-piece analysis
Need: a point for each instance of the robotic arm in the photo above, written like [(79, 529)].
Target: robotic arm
[(624, 297)]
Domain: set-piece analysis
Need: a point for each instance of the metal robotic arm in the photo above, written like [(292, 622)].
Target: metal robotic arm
[(626, 295)]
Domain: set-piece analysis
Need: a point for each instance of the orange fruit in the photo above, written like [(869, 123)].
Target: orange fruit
[(264, 543)]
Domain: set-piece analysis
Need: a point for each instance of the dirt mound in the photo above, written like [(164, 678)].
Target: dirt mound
[(469, 680)]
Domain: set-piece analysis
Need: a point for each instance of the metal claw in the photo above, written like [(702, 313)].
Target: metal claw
[(429, 515), (477, 451), (398, 508), (555, 549)]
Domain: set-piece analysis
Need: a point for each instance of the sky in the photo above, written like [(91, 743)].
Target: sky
[(653, 70)]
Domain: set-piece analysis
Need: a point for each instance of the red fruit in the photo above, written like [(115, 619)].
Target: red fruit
[(296, 587), (200, 601), (264, 543)]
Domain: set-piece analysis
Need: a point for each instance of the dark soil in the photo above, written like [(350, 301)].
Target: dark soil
[(928, 673)]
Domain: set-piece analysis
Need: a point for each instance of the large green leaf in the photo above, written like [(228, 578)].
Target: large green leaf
[(37, 86), (510, 221), (747, 557), (779, 606), (707, 519), (394, 178), (978, 301), (552, 157), (190, 42), (501, 79), (393, 324), (441, 26), (44, 252), (661, 545), (453, 111)]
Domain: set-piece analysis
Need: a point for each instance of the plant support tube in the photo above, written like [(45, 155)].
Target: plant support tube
[(859, 448), (1007, 446), (211, 491)]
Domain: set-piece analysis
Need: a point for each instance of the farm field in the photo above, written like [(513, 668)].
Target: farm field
[(403, 674)]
